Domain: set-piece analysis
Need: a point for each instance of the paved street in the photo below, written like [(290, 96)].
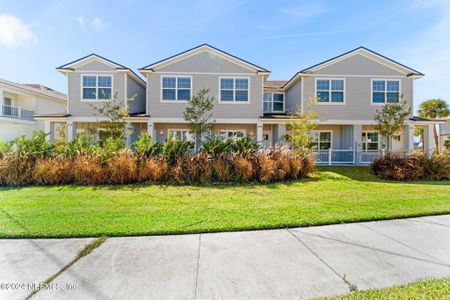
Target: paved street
[(296, 263)]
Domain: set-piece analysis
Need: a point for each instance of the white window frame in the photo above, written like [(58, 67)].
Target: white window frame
[(234, 90), (222, 131), (189, 136), (96, 87), (318, 142), (271, 102), (329, 90), (176, 88), (385, 90), (366, 142)]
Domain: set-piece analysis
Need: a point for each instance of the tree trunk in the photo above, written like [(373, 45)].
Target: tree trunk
[(388, 144), (436, 138)]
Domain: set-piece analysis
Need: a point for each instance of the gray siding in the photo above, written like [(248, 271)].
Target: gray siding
[(358, 65), (135, 88), (214, 65), (77, 108), (204, 62), (293, 97), (358, 98), (358, 105)]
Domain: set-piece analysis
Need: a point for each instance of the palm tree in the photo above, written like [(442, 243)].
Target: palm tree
[(434, 109)]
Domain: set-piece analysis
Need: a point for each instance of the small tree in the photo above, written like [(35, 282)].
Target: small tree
[(447, 144), (391, 119), (198, 113), (114, 113), (434, 109), (300, 127)]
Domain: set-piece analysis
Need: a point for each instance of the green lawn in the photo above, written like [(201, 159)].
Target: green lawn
[(434, 289), (331, 195)]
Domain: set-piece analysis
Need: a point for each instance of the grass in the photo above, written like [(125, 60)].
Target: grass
[(331, 195), (433, 289)]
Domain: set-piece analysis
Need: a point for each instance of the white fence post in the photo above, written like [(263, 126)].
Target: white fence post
[(329, 156)]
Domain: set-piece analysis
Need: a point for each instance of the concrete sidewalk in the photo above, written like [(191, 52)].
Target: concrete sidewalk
[(284, 264)]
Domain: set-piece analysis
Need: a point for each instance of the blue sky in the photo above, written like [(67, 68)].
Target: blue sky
[(282, 36)]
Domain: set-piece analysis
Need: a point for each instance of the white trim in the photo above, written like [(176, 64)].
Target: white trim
[(329, 91), (198, 50), (302, 92), (207, 73), (96, 88), (356, 76), (385, 91), (126, 92), (189, 135), (90, 59), (234, 90), (213, 121), (176, 88), (369, 55)]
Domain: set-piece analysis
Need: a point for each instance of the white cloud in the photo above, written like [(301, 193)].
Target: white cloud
[(98, 24), (14, 32), (305, 10), (81, 21)]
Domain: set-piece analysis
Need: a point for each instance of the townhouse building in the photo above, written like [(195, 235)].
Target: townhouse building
[(348, 90)]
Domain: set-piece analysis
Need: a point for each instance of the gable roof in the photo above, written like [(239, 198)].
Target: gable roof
[(36, 89), (274, 84), (72, 65), (199, 49), (390, 63)]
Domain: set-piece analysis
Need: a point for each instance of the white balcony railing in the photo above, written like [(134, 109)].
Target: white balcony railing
[(11, 111)]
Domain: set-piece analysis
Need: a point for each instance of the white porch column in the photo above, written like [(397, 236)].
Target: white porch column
[(409, 138), (71, 130), (357, 143), (151, 130), (1, 102), (259, 132), (128, 138), (47, 130), (281, 132), (428, 139)]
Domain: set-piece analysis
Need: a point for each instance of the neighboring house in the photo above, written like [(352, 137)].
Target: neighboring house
[(444, 132), (348, 89), (20, 102)]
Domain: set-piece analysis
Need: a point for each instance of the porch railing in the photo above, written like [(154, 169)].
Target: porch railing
[(346, 156), (11, 111), (335, 156)]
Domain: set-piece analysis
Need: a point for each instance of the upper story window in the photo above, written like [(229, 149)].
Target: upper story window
[(176, 88), (273, 102), (234, 90), (97, 87), (320, 140), (385, 91), (330, 90)]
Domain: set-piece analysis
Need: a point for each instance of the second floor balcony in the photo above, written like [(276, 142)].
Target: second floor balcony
[(16, 112)]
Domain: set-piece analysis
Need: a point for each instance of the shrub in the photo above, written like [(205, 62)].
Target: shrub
[(146, 147), (221, 168), (15, 170), (307, 164), (122, 168), (153, 169), (193, 169), (242, 168), (246, 146), (88, 170), (395, 166), (266, 168), (173, 149), (6, 148), (53, 171), (34, 147), (81, 145), (217, 147)]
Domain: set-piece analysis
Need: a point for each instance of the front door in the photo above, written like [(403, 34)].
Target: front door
[(267, 138)]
